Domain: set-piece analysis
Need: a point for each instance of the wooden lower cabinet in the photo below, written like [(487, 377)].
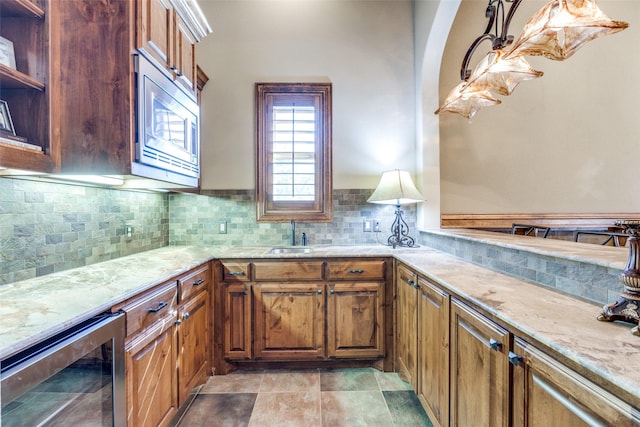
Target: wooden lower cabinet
[(193, 344), (310, 311), (406, 324), (289, 321), (355, 320), (433, 351), (151, 377), (548, 393), (480, 382)]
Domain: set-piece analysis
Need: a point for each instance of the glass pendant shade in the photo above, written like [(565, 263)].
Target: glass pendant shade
[(561, 27), (499, 75), (467, 102)]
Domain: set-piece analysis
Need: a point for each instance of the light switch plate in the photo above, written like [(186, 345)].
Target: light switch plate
[(222, 227), (367, 225)]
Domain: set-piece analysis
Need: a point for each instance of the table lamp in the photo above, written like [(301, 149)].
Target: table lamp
[(396, 188)]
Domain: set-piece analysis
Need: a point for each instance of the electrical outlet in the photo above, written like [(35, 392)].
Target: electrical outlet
[(376, 226), (222, 227), (367, 225)]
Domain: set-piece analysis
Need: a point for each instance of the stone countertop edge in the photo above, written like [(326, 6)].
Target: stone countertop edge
[(606, 349), (605, 256), (589, 346)]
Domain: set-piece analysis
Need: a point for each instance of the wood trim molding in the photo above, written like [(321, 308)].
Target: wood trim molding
[(569, 221)]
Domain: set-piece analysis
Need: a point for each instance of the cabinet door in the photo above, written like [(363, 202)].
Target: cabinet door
[(185, 56), (150, 360), (433, 351), (479, 369), (155, 30), (236, 321), (355, 327), (548, 393), (193, 341), (406, 321), (289, 321)]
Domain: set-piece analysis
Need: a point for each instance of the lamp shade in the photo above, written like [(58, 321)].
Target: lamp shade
[(395, 188)]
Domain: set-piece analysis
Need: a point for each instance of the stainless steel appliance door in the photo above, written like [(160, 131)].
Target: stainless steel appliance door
[(168, 129), (73, 379)]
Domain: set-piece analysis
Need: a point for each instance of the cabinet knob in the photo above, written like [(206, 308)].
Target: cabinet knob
[(246, 292), (412, 282), (332, 291), (495, 345), (177, 322), (186, 316), (515, 359), (319, 291)]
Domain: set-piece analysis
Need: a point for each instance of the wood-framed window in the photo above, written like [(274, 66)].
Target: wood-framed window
[(293, 171)]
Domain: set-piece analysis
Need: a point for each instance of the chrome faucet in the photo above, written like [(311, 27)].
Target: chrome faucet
[(293, 232)]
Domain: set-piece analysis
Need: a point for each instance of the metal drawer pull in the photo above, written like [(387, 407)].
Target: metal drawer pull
[(495, 345), (199, 282), (356, 271), (236, 273), (160, 306), (515, 359)]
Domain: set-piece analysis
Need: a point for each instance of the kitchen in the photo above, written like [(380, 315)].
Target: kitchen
[(71, 226)]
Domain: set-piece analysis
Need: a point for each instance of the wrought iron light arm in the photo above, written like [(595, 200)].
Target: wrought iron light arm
[(499, 38)]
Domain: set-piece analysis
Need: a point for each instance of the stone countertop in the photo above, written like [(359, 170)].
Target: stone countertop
[(606, 256), (34, 309), (564, 324)]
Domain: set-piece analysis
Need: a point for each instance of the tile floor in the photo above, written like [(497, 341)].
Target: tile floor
[(308, 398)]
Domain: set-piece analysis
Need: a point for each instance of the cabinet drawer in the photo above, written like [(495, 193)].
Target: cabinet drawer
[(193, 282), (288, 270), (149, 307), (356, 270), (235, 271)]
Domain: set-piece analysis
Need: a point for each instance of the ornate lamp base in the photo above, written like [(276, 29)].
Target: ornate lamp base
[(627, 307), (400, 232)]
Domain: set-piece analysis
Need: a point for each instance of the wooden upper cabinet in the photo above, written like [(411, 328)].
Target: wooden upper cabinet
[(165, 37), (155, 30), (480, 382), (72, 93), (185, 56), (24, 87)]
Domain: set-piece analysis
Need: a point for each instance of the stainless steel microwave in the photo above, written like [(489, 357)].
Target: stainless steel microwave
[(168, 127)]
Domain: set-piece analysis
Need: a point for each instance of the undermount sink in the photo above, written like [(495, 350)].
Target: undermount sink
[(290, 250)]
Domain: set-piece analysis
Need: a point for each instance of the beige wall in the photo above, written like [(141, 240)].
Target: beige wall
[(365, 48), (564, 143)]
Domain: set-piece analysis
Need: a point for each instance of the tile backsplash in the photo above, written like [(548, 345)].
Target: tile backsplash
[(49, 227), (195, 220)]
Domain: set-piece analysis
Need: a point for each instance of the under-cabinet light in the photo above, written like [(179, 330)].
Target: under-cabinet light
[(91, 179)]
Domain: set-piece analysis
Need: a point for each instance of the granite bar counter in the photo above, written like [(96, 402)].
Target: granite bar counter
[(34, 309)]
